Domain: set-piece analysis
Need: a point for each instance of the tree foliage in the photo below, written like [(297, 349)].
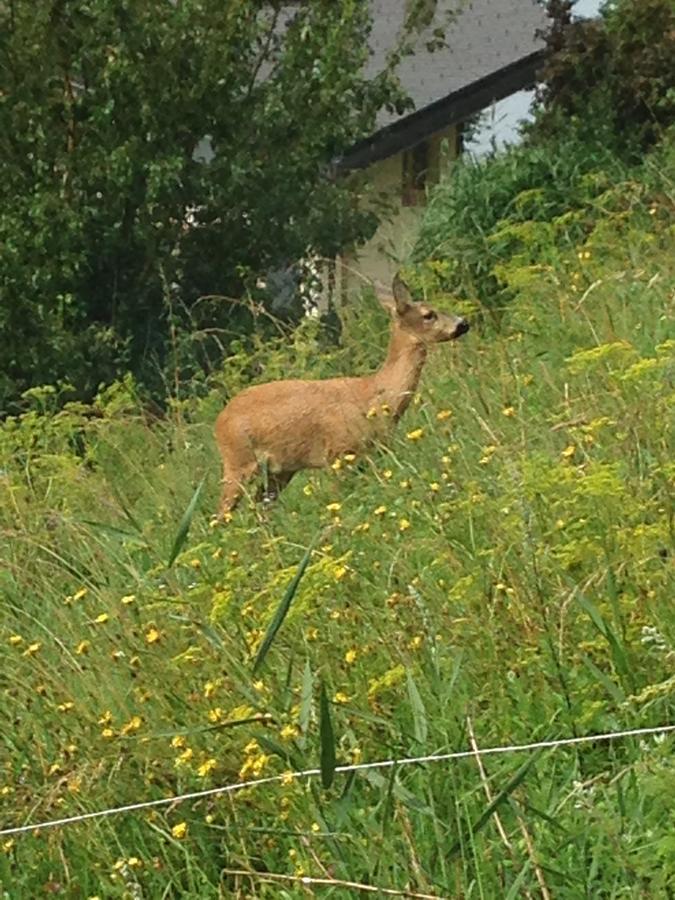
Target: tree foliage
[(614, 74), (112, 224)]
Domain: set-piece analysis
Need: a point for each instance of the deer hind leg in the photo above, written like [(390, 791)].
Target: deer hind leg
[(275, 484)]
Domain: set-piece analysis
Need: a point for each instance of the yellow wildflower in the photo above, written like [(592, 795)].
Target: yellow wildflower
[(216, 715), (127, 599), (32, 648), (380, 511), (415, 435), (78, 595), (308, 490), (152, 635), (334, 507), (101, 619), (179, 831), (184, 758), (443, 414), (15, 640), (336, 465), (82, 648), (209, 689), (350, 656), (568, 452), (132, 725), (508, 411), (404, 525), (340, 697), (206, 767), (288, 732), (178, 742)]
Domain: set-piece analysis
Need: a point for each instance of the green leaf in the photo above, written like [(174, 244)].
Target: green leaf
[(503, 795), (612, 689), (282, 609), (327, 738), (305, 701), (119, 534), (418, 710), (516, 887), (615, 645), (403, 794), (184, 526)]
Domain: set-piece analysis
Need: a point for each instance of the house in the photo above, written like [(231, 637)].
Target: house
[(491, 49)]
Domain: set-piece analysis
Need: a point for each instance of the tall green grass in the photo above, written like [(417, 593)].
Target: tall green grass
[(502, 569)]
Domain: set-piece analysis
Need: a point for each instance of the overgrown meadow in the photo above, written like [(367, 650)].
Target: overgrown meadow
[(500, 573)]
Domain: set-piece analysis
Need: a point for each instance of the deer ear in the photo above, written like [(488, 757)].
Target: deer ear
[(385, 297), (402, 297)]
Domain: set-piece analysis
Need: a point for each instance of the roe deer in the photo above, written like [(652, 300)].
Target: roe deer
[(281, 427)]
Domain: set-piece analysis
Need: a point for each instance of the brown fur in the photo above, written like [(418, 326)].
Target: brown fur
[(285, 426)]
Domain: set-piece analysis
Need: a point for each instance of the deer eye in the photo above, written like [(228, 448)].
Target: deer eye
[(429, 316)]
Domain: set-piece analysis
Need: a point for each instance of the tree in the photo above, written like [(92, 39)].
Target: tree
[(111, 226), (612, 76)]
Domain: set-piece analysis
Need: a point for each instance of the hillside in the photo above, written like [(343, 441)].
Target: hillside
[(502, 570)]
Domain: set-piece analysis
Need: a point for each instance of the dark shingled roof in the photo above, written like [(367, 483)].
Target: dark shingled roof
[(491, 50)]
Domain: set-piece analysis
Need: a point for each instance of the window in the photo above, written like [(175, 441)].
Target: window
[(416, 174)]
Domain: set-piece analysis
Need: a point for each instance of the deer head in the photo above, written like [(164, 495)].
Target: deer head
[(419, 320)]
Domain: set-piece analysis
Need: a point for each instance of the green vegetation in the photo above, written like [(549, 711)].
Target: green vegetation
[(503, 568), (123, 247)]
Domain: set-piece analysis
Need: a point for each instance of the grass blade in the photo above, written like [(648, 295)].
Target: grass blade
[(282, 609), (612, 689), (184, 526), (305, 702), (327, 738), (113, 531), (503, 795), (418, 710), (615, 645)]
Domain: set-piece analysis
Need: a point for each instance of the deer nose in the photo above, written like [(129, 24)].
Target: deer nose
[(462, 327)]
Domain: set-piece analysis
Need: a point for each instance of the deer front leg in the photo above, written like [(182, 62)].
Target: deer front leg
[(234, 488)]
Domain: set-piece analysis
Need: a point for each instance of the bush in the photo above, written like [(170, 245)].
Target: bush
[(112, 227), (489, 210)]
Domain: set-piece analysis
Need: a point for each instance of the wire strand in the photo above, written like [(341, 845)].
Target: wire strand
[(356, 767)]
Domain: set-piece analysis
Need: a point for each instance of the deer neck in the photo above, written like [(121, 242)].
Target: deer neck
[(397, 380)]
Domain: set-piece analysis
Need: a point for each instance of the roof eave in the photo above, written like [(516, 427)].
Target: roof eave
[(406, 132)]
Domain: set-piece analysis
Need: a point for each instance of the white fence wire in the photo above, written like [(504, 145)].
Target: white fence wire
[(357, 767)]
